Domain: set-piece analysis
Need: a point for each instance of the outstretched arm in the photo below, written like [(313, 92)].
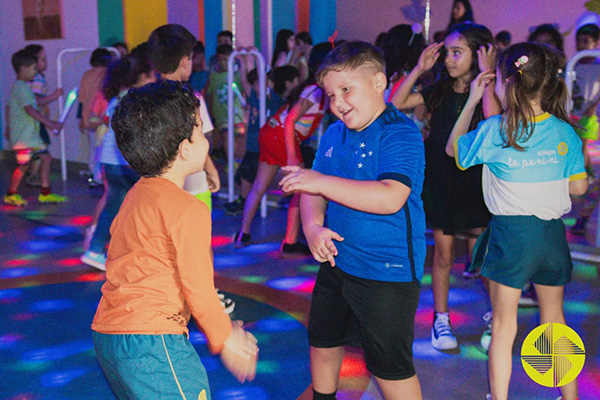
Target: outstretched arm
[(387, 196)]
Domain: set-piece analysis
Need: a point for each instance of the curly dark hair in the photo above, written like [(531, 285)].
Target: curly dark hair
[(150, 122)]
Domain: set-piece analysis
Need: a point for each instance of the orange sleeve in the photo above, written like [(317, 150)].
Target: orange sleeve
[(192, 240)]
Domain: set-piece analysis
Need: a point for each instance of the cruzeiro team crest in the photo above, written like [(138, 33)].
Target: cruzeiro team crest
[(553, 355)]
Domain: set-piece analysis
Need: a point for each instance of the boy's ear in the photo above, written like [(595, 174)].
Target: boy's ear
[(184, 150), (380, 81)]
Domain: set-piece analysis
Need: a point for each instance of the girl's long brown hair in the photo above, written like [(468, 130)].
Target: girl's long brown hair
[(532, 72)]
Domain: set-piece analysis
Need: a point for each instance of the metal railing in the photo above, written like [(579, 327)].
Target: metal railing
[(262, 101)]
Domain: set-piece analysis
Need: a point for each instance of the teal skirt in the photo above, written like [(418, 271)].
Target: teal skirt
[(514, 250)]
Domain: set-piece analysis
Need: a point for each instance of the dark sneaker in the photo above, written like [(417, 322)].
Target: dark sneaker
[(297, 249), (235, 207), (468, 273), (579, 227), (241, 240), (227, 303)]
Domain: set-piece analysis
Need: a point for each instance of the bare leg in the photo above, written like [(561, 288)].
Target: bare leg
[(16, 178), (551, 310), (325, 366), (293, 220), (505, 303), (401, 390), (472, 239), (45, 160), (265, 175), (443, 257), (245, 189)]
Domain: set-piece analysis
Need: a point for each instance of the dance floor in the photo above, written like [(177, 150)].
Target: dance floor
[(48, 298)]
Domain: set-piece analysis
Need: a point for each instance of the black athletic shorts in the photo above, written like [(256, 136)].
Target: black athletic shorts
[(248, 168), (377, 316)]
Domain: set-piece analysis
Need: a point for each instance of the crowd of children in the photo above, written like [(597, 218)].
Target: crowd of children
[(439, 135)]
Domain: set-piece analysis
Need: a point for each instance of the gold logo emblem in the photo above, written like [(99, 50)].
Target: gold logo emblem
[(562, 148), (553, 355)]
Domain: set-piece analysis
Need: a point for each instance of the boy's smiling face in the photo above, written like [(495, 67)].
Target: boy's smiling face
[(356, 96)]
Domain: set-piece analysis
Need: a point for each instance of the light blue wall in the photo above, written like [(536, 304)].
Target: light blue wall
[(322, 19)]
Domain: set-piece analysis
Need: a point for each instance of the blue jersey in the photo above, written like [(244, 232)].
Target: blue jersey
[(379, 247), (531, 182)]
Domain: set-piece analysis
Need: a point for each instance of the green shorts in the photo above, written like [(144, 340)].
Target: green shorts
[(514, 250), (206, 198), (152, 366)]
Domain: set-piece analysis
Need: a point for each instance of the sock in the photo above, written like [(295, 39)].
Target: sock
[(46, 191), (435, 314), (11, 192), (321, 396)]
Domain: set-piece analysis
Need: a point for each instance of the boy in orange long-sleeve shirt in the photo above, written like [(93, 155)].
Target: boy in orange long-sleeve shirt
[(159, 269)]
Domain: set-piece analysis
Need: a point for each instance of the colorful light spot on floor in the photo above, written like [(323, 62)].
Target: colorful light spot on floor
[(245, 393), (285, 323), (218, 241), (423, 349), (456, 296), (10, 294), (40, 246), (58, 352), (291, 283), (23, 316), (52, 305), (424, 318), (15, 262), (353, 366), (261, 248), (69, 262), (30, 366), (35, 215), (309, 268), (61, 378), (197, 338), (18, 272), (7, 341), (232, 261), (473, 352), (267, 367), (54, 231), (580, 307), (91, 277), (81, 220), (585, 271), (253, 279)]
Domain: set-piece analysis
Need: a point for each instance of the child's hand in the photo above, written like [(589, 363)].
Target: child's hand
[(478, 85), (320, 241), (240, 353), (58, 92), (54, 126), (214, 183), (300, 180), (429, 56), (487, 57)]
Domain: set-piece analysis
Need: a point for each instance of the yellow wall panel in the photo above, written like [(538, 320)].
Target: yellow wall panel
[(141, 17)]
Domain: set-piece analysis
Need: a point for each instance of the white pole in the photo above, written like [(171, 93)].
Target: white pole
[(427, 20), (63, 155), (262, 99), (570, 76)]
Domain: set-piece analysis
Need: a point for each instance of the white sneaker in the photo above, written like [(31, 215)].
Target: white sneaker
[(227, 303), (486, 338), (442, 337), (96, 260)]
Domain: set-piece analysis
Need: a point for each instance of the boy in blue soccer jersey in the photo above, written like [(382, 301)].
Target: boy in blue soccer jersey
[(367, 177)]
